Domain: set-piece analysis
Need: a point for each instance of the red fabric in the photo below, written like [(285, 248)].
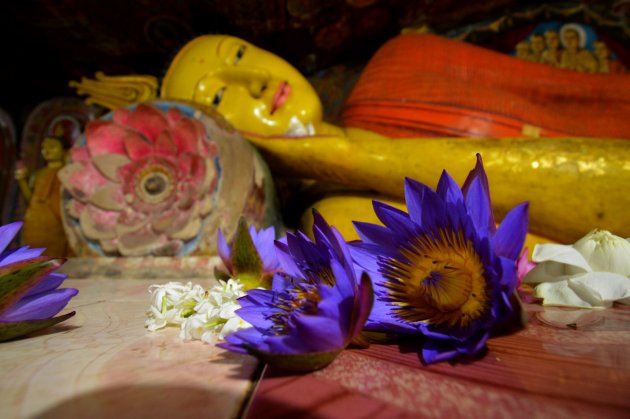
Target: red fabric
[(424, 85)]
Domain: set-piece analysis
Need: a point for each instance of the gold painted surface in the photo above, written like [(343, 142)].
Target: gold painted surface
[(573, 184), (114, 92), (103, 363)]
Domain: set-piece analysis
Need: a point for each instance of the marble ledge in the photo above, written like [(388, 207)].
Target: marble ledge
[(103, 363)]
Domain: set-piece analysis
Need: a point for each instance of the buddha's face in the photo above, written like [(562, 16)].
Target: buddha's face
[(552, 39), (571, 39), (601, 50), (255, 90), (538, 43), (52, 150)]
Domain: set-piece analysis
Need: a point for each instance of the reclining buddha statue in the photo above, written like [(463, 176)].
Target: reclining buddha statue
[(422, 104)]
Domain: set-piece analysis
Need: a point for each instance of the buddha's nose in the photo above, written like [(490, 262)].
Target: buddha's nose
[(255, 79)]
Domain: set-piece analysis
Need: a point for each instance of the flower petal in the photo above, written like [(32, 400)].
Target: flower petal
[(479, 207), (601, 289), (448, 190), (105, 137), (479, 203), (136, 146), (224, 250), (185, 136), (559, 294), (164, 145), (510, 236), (98, 224), (81, 180), (108, 165), (566, 257), (8, 233), (109, 197), (17, 255), (424, 205), (39, 307), (147, 120), (50, 282)]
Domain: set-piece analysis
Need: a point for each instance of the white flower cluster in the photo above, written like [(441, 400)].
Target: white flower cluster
[(201, 314)]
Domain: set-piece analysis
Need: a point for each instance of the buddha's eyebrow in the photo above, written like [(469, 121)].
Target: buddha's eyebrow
[(220, 44)]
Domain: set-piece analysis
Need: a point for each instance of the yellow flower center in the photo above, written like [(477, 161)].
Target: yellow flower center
[(443, 283)]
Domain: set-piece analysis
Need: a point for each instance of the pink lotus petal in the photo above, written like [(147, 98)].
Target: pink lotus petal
[(103, 137), (75, 207), (185, 195), (137, 147), (130, 221), (189, 231), (140, 243), (197, 172), (121, 116), (173, 116), (109, 164), (171, 247), (79, 154), (210, 180), (81, 180), (109, 246), (175, 220), (165, 146), (108, 197), (185, 136), (147, 120), (98, 224)]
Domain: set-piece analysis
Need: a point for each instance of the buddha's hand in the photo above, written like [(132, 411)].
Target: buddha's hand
[(21, 172)]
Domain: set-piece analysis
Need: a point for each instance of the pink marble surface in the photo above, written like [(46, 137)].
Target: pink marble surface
[(103, 363)]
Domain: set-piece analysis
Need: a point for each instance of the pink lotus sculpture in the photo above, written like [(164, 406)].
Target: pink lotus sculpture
[(162, 178), (143, 182)]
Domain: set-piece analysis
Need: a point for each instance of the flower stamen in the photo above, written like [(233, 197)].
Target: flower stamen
[(440, 281)]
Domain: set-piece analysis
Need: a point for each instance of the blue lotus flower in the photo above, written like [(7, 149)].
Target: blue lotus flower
[(314, 309), (29, 288), (442, 270), (263, 241)]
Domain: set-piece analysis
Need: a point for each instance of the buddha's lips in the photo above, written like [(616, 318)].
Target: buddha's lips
[(281, 96)]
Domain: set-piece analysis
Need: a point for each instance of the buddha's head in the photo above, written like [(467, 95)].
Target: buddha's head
[(573, 36), (53, 149), (601, 50), (255, 90), (552, 40), (537, 43)]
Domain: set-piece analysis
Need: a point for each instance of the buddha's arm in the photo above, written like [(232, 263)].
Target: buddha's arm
[(21, 176), (573, 184)]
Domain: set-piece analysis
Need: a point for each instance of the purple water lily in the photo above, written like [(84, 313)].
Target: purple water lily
[(263, 241), (443, 270), (314, 309), (29, 287)]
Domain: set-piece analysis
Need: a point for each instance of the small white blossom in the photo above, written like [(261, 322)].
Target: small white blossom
[(205, 315)]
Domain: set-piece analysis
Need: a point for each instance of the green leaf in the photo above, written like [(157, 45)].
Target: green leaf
[(246, 261), (222, 275), (16, 329), (297, 362), (17, 278)]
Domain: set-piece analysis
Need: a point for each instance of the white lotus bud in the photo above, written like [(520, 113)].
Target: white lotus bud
[(605, 252)]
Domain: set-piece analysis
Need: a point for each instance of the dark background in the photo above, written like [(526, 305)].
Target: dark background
[(45, 43)]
